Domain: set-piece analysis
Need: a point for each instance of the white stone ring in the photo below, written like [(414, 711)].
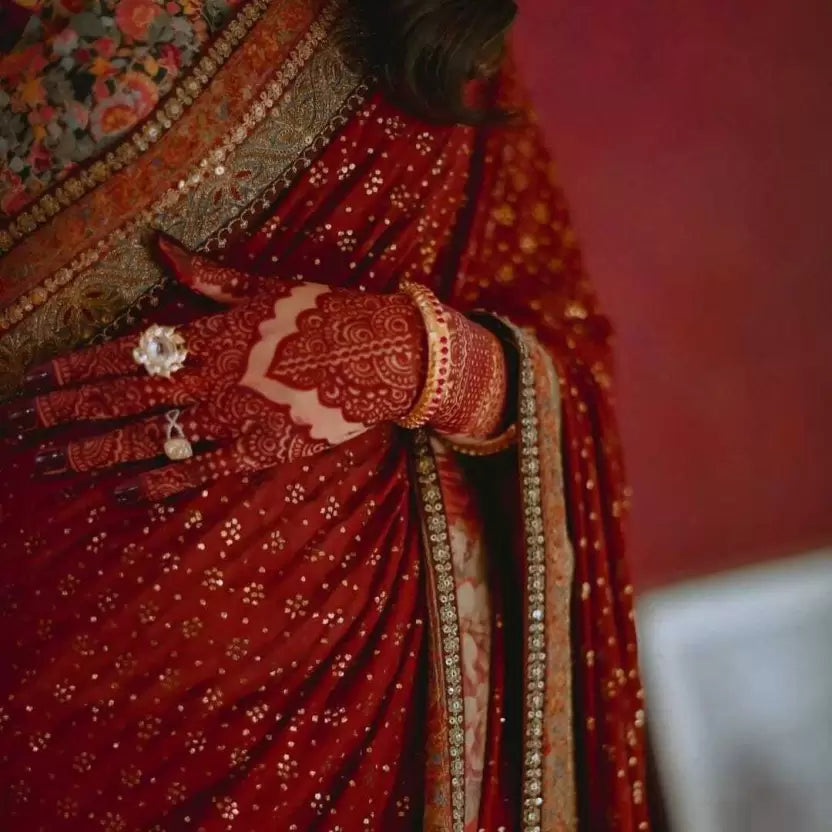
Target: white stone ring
[(177, 447), (161, 350)]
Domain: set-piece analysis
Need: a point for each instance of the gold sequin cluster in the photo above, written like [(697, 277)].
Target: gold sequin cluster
[(350, 104), (438, 546)]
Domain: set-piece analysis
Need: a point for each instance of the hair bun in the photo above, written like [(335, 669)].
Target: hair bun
[(426, 51)]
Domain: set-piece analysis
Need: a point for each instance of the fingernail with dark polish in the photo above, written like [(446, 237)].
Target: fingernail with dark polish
[(51, 461), (128, 494), (40, 378), (20, 417), (174, 254)]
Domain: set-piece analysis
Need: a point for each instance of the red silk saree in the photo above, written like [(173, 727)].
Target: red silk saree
[(384, 636)]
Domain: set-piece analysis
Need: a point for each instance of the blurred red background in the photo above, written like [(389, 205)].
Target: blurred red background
[(693, 140)]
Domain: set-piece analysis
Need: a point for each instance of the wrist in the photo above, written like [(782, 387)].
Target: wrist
[(476, 401), (465, 377), (438, 355)]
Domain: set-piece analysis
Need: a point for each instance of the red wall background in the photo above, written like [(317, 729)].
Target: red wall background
[(694, 139)]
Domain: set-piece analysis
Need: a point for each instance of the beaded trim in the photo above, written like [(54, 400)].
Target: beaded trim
[(535, 601), (438, 545), (535, 615), (439, 345), (182, 96)]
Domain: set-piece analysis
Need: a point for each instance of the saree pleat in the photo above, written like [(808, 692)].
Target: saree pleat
[(221, 649)]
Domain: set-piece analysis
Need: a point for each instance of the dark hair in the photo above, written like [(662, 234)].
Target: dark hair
[(426, 51)]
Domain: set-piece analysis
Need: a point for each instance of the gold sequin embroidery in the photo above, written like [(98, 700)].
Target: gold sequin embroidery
[(183, 94), (307, 101), (438, 549)]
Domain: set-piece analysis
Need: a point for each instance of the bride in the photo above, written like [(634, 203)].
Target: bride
[(311, 514)]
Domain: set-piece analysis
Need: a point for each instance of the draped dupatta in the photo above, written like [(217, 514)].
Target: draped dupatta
[(521, 259), (275, 154)]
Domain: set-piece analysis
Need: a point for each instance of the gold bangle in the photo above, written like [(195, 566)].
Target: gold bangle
[(435, 319), (484, 447)]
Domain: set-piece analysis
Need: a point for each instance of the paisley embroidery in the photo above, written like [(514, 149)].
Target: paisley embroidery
[(364, 354)]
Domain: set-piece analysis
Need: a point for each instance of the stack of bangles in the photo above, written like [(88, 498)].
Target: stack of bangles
[(436, 384)]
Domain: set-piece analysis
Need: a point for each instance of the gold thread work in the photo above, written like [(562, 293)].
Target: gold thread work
[(180, 98), (438, 550), (281, 137)]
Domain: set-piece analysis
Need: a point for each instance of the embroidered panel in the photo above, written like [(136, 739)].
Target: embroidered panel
[(198, 95), (305, 103), (442, 814), (548, 760)]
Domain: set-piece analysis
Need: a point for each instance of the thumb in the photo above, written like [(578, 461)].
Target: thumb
[(204, 276)]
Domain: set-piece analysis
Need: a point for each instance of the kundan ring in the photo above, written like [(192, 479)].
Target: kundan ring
[(177, 447), (161, 350)]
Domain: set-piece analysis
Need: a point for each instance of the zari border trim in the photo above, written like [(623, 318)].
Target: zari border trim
[(286, 127), (238, 224), (181, 96), (535, 624), (195, 177), (548, 782), (438, 545)]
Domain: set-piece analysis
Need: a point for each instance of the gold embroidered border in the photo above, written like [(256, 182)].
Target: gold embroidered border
[(548, 776), (309, 98), (438, 546), (179, 99), (560, 796), (535, 624), (210, 171)]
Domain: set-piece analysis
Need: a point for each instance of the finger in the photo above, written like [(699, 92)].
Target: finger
[(115, 358), (135, 442), (235, 458), (214, 280), (109, 399)]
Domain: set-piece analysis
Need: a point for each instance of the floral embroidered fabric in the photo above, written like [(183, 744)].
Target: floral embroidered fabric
[(83, 73)]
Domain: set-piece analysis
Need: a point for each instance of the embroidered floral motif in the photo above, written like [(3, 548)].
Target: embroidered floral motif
[(76, 81)]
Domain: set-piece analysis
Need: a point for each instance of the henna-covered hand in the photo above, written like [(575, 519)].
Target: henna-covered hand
[(287, 370)]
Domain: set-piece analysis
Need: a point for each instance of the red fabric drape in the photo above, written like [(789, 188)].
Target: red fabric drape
[(254, 652), (523, 260)]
